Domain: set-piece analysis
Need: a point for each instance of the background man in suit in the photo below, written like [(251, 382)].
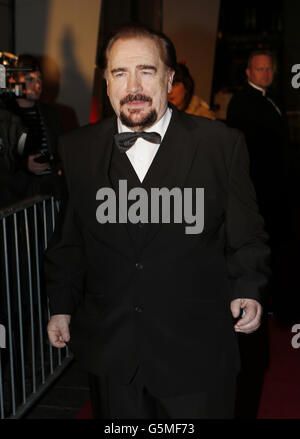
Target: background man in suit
[(149, 310), (255, 113)]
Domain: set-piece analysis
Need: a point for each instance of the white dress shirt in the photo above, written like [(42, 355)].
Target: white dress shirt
[(142, 153)]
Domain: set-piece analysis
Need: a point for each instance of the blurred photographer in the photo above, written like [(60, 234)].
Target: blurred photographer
[(44, 126), (14, 182)]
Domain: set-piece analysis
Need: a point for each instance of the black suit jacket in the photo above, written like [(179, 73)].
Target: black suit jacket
[(164, 308), (266, 137)]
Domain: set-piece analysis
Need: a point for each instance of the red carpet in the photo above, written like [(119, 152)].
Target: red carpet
[(85, 412), (280, 397)]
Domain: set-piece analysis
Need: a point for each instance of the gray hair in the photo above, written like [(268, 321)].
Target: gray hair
[(165, 45)]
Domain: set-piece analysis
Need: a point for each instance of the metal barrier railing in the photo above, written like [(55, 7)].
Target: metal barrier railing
[(28, 362)]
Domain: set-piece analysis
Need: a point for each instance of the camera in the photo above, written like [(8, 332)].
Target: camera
[(12, 132), (9, 86), (12, 138), (44, 157)]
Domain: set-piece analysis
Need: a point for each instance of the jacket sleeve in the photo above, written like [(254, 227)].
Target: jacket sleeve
[(248, 253), (64, 262)]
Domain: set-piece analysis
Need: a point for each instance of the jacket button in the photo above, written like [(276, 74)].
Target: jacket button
[(139, 266)]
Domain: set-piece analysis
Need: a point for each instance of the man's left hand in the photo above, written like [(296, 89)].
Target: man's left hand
[(251, 319)]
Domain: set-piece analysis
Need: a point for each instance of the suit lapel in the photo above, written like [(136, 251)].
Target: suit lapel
[(101, 155), (101, 159)]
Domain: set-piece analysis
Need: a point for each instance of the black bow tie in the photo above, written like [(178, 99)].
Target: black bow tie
[(124, 141)]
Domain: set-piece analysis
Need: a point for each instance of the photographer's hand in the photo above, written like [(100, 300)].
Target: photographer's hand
[(34, 167)]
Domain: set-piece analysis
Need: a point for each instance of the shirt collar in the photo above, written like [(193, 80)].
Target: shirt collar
[(159, 127), (257, 88)]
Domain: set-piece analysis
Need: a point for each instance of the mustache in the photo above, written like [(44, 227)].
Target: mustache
[(137, 97)]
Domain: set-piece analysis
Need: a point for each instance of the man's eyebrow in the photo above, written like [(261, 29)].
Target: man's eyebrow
[(119, 69), (140, 67), (146, 67)]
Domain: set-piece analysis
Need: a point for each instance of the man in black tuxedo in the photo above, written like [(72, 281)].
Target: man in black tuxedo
[(151, 309), (255, 113)]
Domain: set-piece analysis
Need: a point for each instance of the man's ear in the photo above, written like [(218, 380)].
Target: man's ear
[(247, 72)]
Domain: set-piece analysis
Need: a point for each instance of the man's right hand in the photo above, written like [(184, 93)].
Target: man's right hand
[(58, 330)]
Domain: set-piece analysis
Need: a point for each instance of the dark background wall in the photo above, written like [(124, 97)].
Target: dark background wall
[(7, 38)]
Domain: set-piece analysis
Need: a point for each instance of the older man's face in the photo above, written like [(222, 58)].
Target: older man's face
[(138, 82)]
